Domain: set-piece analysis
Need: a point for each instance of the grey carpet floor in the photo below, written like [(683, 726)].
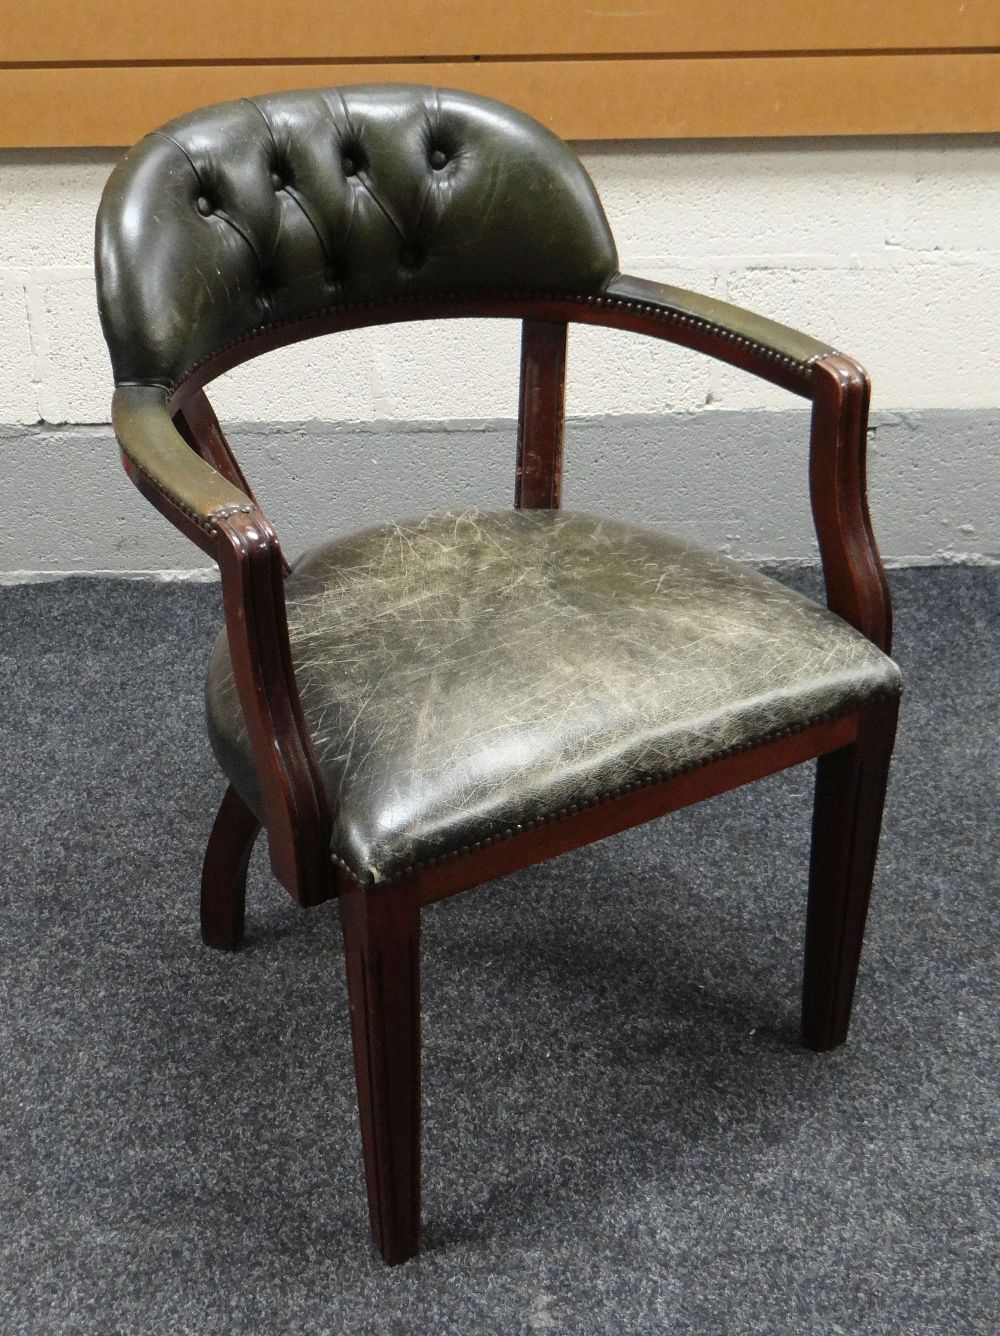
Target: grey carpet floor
[(621, 1134)]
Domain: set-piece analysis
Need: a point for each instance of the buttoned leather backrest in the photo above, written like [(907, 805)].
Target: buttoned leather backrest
[(252, 213)]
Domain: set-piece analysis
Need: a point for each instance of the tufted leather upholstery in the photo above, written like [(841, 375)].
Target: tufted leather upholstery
[(253, 212), (464, 675)]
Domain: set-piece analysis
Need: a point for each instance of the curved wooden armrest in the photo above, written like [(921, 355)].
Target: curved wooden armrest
[(856, 586), (764, 347), (226, 523)]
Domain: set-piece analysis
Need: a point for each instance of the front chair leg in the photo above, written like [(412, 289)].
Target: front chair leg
[(847, 818), (224, 873), (382, 942)]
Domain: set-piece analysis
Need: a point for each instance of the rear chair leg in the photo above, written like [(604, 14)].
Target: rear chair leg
[(847, 818), (224, 873), (382, 942)]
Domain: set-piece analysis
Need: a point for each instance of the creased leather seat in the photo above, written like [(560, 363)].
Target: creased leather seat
[(464, 676)]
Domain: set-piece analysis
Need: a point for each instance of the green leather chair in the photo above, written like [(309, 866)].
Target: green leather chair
[(431, 703)]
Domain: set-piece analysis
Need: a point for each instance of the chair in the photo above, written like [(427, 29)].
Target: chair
[(425, 706)]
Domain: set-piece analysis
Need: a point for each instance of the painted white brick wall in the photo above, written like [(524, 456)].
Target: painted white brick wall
[(889, 249)]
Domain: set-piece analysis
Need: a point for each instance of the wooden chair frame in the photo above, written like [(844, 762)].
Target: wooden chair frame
[(381, 925)]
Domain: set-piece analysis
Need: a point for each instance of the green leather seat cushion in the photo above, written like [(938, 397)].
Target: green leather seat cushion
[(463, 675)]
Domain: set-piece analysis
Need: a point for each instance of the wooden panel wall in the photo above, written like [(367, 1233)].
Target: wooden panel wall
[(79, 72)]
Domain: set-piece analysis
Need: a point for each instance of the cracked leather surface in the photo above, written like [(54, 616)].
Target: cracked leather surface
[(249, 213), (464, 674)]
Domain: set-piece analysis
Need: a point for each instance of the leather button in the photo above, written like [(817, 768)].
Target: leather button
[(408, 257), (330, 275), (350, 169), (438, 159), (277, 182), (203, 206)]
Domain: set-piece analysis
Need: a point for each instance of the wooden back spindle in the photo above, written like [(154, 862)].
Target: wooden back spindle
[(538, 479)]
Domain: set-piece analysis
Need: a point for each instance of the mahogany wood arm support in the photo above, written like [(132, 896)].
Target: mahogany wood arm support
[(166, 469), (231, 528), (856, 585), (296, 814)]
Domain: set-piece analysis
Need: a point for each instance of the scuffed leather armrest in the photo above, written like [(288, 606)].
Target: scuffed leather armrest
[(839, 389), (166, 470), (761, 346), (228, 525)]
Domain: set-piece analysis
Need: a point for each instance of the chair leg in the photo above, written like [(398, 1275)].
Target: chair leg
[(847, 817), (224, 873), (382, 942)]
